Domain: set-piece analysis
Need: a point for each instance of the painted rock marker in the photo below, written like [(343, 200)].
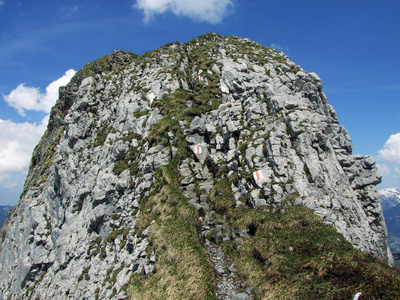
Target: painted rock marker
[(258, 175), (197, 149)]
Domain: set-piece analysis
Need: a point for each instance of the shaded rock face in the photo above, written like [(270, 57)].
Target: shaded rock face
[(249, 115)]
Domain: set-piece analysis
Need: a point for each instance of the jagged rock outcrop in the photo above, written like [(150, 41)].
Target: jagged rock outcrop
[(219, 110)]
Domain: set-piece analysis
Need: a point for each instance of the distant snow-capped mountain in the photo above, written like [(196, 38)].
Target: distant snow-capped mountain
[(390, 202), (389, 198)]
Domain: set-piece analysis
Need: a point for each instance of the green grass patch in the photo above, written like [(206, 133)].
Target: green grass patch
[(183, 270), (294, 255), (113, 235), (101, 135), (42, 158), (221, 197), (295, 70), (138, 113), (131, 160), (84, 274), (255, 52), (107, 63)]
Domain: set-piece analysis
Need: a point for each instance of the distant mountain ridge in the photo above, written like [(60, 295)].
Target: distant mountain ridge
[(389, 198), (4, 213), (390, 202)]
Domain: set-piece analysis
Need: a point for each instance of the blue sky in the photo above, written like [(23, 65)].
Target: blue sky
[(354, 46)]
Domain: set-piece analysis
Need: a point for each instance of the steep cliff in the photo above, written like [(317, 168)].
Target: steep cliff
[(158, 173)]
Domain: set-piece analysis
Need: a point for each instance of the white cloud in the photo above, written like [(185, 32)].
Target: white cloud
[(390, 154), (279, 47), (1, 3), (23, 98), (383, 169), (29, 98), (4, 176), (391, 150), (211, 11), (10, 185), (17, 141), (69, 11)]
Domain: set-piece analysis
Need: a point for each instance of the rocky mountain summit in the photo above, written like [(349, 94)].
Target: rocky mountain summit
[(213, 169)]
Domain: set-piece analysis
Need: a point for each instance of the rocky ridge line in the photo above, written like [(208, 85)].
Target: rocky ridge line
[(75, 232)]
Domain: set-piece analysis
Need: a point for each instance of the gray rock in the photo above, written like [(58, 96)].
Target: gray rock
[(232, 268), (242, 296), (74, 198)]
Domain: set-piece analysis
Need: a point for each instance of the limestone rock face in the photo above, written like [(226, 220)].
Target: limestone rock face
[(249, 115)]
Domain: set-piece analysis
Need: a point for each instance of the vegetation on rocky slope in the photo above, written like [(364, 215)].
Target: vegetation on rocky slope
[(289, 253), (183, 270), (145, 237)]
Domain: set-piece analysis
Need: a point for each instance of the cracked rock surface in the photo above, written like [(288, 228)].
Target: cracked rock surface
[(267, 129)]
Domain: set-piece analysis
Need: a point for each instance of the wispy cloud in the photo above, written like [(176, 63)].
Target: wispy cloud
[(349, 87), (69, 11), (10, 185), (390, 87), (25, 39), (1, 3), (384, 170), (279, 47), (211, 11), (25, 98)]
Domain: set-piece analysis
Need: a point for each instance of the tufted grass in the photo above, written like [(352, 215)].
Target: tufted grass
[(294, 255), (221, 196), (42, 159), (182, 270)]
